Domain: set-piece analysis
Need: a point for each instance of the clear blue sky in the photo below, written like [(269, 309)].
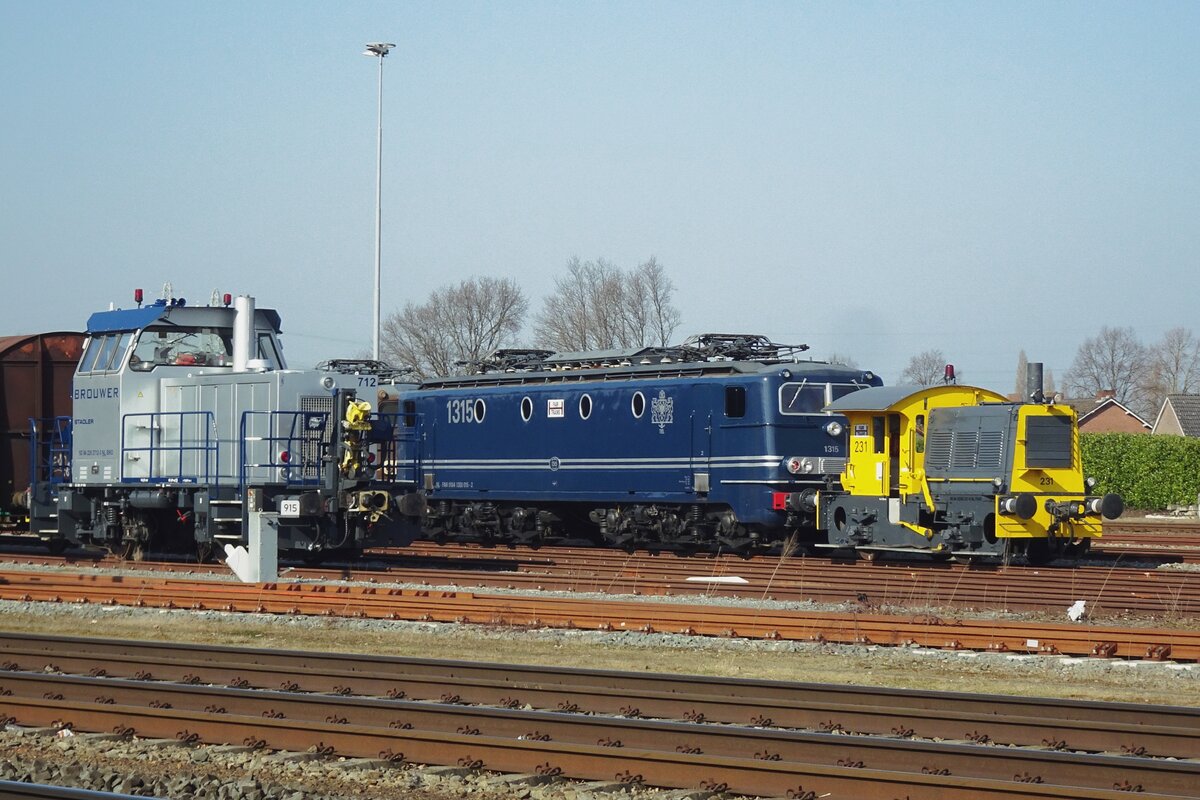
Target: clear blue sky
[(873, 179)]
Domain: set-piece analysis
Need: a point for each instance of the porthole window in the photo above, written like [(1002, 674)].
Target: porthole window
[(480, 410), (639, 404), (585, 406), (526, 408)]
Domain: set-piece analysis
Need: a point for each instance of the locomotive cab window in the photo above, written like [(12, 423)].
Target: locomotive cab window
[(105, 353), (268, 352), (801, 397), (182, 347), (735, 401)]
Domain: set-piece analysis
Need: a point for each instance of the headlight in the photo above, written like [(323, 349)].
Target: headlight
[(1090, 483), (834, 428), (797, 465)]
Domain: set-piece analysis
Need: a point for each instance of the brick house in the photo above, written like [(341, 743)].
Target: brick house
[(1104, 413)]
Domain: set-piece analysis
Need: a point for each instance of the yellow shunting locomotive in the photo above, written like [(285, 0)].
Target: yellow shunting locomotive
[(962, 471)]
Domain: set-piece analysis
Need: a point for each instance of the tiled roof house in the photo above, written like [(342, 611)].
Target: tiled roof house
[(1106, 414), (1179, 415)]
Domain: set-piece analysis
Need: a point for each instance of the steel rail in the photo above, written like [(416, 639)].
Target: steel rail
[(1107, 589), (15, 790), (541, 611), (656, 767), (1170, 731), (1166, 776)]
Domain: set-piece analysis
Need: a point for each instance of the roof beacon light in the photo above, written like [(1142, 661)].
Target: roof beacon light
[(137, 297), (949, 377), (227, 298)]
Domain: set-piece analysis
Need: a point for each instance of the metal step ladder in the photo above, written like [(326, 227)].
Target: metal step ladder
[(232, 516)]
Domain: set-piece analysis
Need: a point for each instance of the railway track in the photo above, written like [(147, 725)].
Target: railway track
[(495, 717), (1107, 590), (605, 615)]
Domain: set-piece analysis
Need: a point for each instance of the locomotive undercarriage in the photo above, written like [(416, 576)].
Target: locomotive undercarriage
[(670, 526), (965, 532), (132, 523)]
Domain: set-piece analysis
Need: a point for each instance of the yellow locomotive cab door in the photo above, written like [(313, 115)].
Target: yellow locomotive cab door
[(869, 456)]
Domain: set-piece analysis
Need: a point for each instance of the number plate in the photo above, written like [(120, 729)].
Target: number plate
[(289, 508)]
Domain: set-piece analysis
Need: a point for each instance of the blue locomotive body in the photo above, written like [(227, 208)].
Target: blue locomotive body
[(700, 453)]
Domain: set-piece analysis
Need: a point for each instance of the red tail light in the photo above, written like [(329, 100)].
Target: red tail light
[(285, 456)]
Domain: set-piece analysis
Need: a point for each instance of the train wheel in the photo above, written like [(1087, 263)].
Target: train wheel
[(1038, 552)]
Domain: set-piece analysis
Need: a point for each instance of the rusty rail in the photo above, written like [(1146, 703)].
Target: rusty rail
[(637, 751), (1169, 731), (648, 617)]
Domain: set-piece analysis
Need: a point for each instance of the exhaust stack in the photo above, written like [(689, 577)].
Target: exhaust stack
[(243, 331), (1034, 392)]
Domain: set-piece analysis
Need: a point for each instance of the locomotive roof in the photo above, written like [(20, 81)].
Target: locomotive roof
[(798, 369), (881, 398), (131, 319)]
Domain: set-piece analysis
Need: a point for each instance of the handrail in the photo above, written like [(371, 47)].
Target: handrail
[(156, 449)]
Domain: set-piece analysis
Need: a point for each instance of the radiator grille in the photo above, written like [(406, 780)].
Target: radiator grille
[(991, 450), (314, 441), (832, 466)]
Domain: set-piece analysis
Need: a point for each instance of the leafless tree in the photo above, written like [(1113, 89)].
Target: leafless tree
[(461, 322), (598, 306), (925, 369), (1174, 367), (1048, 383), (652, 318), (1113, 360), (843, 360), (1022, 369)]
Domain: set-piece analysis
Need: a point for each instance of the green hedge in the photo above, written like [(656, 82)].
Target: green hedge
[(1149, 472)]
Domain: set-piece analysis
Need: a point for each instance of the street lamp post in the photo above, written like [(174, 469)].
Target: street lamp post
[(380, 51)]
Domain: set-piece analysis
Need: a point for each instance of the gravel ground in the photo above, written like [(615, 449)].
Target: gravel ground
[(171, 770)]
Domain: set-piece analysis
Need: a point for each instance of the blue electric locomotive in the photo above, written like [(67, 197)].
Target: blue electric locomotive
[(719, 443)]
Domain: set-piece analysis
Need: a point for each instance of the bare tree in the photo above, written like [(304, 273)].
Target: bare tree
[(843, 360), (598, 306), (925, 369), (652, 318), (457, 323), (1048, 383), (1022, 369), (1174, 367), (1114, 360)]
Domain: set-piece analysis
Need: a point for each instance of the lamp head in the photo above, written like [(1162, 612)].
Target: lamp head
[(378, 49)]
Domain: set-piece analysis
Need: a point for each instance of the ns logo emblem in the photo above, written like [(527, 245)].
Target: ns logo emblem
[(662, 411)]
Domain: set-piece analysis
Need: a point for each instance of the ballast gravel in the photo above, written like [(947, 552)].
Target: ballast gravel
[(175, 770)]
